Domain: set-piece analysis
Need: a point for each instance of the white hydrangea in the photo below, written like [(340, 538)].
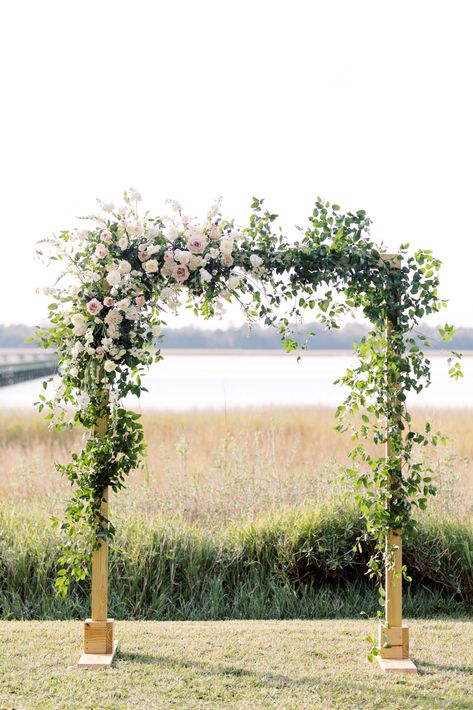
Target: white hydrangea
[(113, 317), (195, 262), (256, 261)]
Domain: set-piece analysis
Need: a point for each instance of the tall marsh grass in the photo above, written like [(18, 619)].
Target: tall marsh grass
[(235, 515)]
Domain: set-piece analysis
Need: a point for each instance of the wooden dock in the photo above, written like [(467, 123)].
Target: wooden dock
[(22, 364)]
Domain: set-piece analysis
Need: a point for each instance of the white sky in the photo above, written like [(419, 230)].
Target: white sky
[(367, 103)]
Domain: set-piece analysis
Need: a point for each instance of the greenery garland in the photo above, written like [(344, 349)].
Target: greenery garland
[(121, 276)]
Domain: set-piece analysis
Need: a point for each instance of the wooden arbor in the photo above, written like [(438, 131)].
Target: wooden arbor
[(393, 641)]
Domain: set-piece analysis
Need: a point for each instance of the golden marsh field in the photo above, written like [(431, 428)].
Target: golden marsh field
[(216, 465)]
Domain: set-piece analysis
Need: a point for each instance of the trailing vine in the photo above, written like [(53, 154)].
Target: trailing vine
[(121, 276)]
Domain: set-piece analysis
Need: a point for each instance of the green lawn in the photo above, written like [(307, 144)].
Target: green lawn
[(234, 664)]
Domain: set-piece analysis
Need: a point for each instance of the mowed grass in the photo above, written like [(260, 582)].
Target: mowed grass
[(234, 664)]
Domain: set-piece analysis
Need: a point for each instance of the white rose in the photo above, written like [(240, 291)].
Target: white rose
[(124, 267), (73, 371), (233, 282), (205, 277), (77, 319), (226, 245), (150, 266), (256, 261), (123, 304), (183, 257), (109, 366), (156, 330), (114, 278), (123, 242)]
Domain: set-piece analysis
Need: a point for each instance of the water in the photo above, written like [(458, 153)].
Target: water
[(196, 381)]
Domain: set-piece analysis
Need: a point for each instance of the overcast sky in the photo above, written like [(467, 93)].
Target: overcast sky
[(366, 103)]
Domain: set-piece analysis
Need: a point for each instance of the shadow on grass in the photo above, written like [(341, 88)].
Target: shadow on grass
[(430, 668)]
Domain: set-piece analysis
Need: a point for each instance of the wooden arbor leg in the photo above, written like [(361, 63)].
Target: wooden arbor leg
[(393, 639), (99, 641)]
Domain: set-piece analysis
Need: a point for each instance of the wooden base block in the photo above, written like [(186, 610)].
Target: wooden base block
[(397, 665), (94, 661), (393, 642), (98, 636)]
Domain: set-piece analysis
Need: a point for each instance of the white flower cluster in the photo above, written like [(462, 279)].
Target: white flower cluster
[(126, 265)]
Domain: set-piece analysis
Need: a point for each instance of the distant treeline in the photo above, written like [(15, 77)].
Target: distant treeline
[(13, 336)]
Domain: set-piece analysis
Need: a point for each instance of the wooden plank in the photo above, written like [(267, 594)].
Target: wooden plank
[(395, 665), (394, 581), (100, 574), (94, 661), (100, 556)]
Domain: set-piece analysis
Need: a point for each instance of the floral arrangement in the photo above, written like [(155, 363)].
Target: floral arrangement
[(122, 274)]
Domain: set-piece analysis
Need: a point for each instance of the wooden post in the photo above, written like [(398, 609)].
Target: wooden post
[(99, 642), (393, 636)]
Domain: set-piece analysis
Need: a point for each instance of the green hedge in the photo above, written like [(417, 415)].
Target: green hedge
[(297, 564)]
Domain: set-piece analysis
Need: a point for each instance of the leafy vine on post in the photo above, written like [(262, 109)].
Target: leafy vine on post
[(121, 275)]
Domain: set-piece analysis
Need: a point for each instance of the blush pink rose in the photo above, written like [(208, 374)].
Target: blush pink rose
[(143, 256), (168, 256), (108, 301), (181, 273), (105, 235), (140, 301), (101, 251), (227, 259), (94, 307), (99, 352), (196, 245)]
